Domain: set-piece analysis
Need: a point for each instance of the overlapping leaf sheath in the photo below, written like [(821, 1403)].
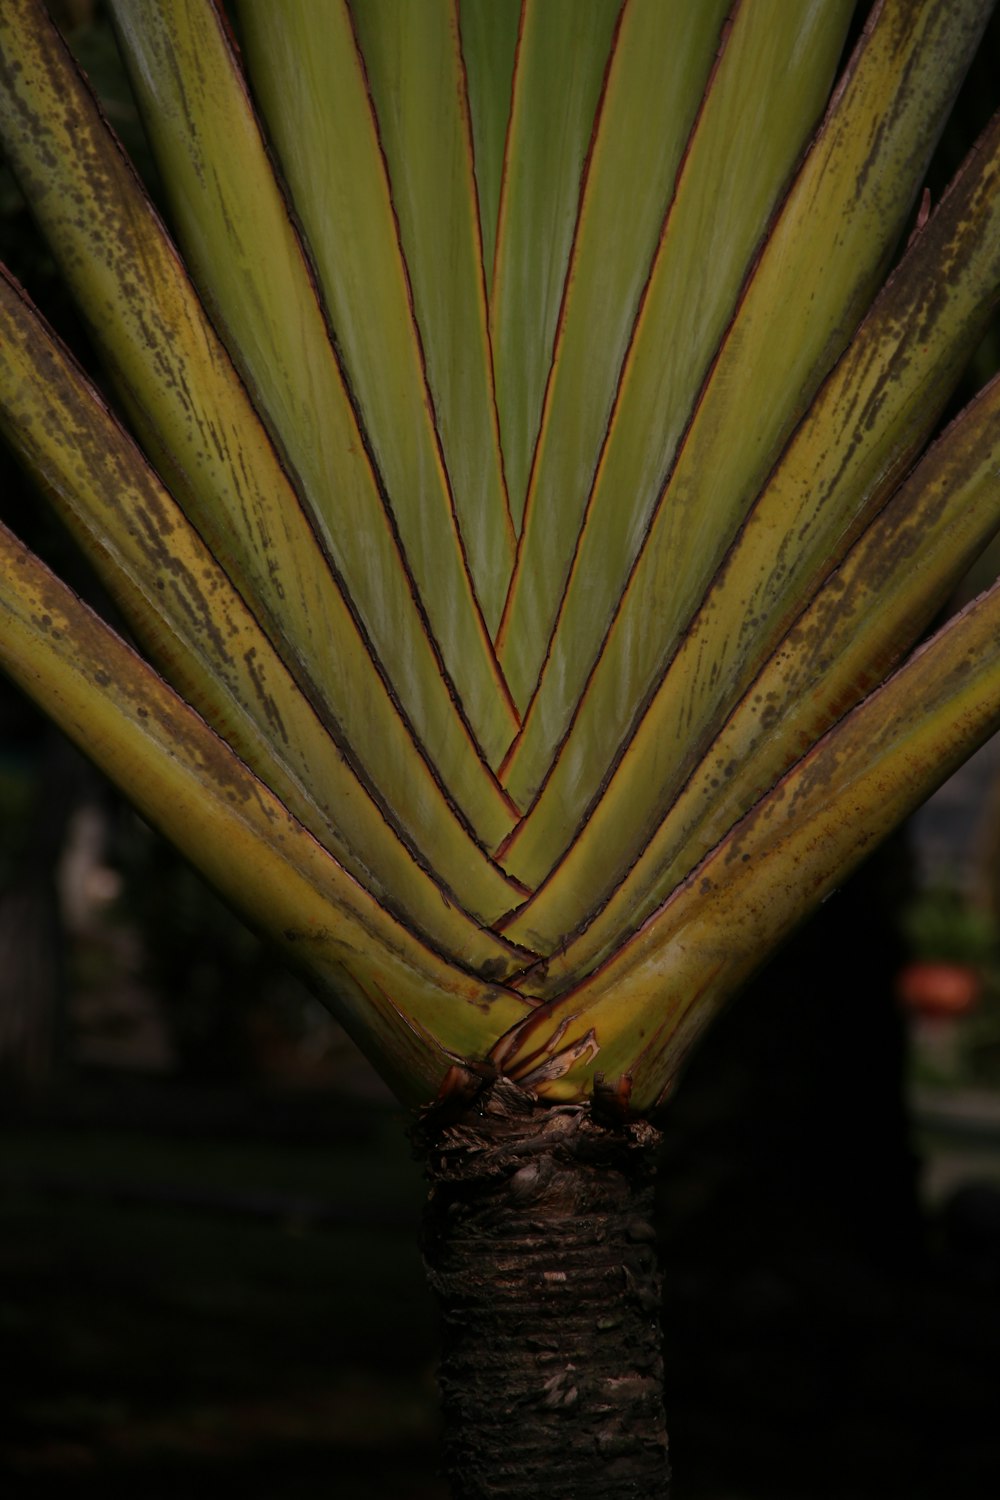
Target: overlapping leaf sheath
[(559, 70), (800, 305), (858, 436), (184, 609), (854, 630), (187, 782), (415, 72), (790, 850), (612, 418), (531, 500), (201, 429), (489, 35), (313, 90)]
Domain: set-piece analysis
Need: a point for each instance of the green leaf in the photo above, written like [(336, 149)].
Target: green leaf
[(489, 40), (196, 627), (562, 53), (875, 409), (194, 418), (854, 631), (611, 423), (411, 1011), (635, 1019), (414, 67), (311, 86), (524, 498), (796, 314)]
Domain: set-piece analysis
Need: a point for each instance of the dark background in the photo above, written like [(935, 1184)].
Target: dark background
[(209, 1271)]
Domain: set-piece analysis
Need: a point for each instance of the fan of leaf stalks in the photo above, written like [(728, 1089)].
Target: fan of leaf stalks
[(515, 469)]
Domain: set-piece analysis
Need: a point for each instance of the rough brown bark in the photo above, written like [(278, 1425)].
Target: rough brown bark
[(538, 1242)]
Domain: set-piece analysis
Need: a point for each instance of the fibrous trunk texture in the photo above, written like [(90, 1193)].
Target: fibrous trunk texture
[(539, 1244)]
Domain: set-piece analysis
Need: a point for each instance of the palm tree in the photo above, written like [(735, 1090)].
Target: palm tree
[(512, 460)]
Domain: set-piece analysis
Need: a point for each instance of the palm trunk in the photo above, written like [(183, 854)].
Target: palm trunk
[(539, 1244)]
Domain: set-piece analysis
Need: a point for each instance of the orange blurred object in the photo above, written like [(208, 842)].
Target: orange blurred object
[(939, 988)]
